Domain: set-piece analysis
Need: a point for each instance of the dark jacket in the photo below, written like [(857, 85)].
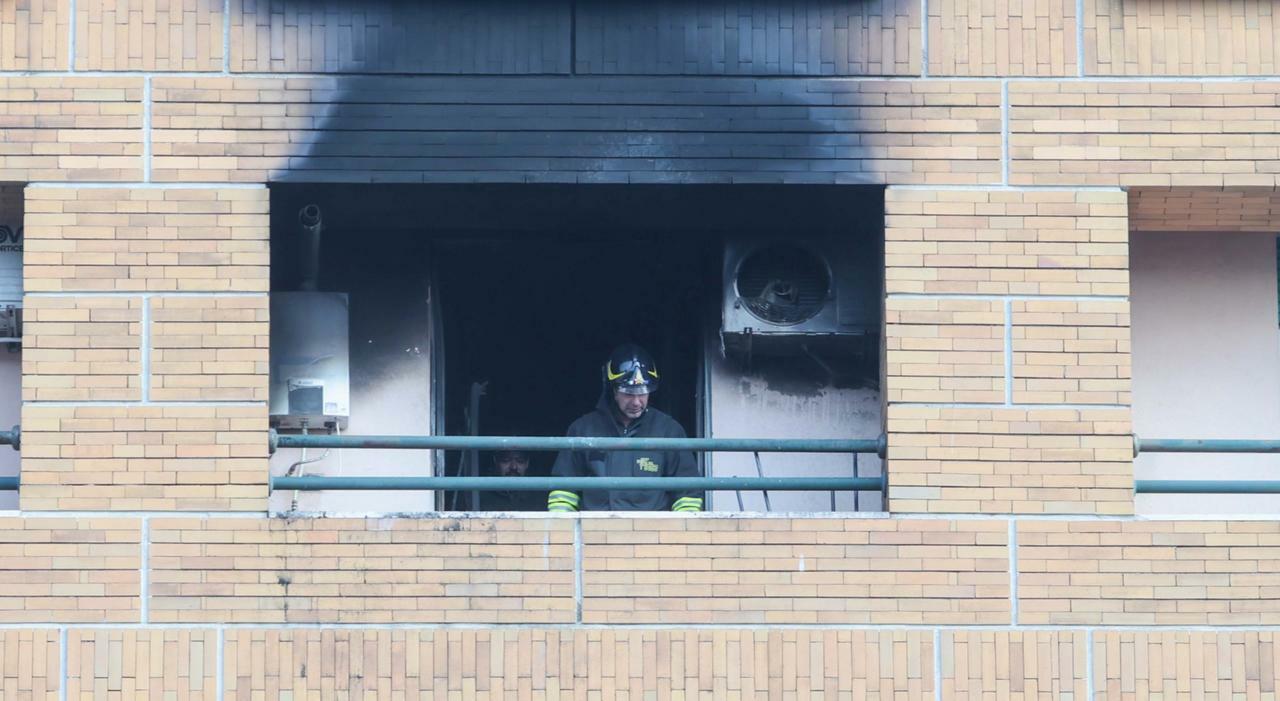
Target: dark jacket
[(513, 501), (604, 421)]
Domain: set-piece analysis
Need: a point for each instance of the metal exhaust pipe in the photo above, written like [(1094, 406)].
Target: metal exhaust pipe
[(311, 223)]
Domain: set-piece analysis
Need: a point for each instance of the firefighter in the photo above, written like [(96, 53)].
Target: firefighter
[(630, 377), (511, 463)]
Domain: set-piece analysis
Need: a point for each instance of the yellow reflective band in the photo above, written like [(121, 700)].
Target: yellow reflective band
[(608, 370), (687, 504), (561, 507), (567, 496)]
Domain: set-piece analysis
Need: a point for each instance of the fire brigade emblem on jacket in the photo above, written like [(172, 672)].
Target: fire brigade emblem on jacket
[(647, 465)]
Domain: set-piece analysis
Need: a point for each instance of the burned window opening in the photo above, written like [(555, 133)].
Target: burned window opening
[(509, 297)]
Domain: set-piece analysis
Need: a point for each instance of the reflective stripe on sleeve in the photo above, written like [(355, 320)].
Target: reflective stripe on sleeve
[(560, 500), (687, 504)]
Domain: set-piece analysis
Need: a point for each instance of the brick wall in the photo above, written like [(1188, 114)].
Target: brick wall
[(1006, 242), (82, 348), (1143, 665), (1017, 38), (144, 457), (64, 577), (1148, 573), (1204, 209), (786, 572), (530, 663), (249, 129), (36, 35), (71, 128), (1007, 317), (148, 35), (1121, 37), (146, 240), (1013, 665), (355, 571), (170, 307), (137, 664), (70, 570), (1140, 134), (1007, 373), (1197, 37), (30, 668), (559, 663)]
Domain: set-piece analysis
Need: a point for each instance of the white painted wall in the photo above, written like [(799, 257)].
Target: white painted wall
[(1206, 360), (779, 404), (10, 411), (387, 398)]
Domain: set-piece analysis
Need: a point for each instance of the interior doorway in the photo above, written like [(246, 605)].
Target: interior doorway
[(530, 323)]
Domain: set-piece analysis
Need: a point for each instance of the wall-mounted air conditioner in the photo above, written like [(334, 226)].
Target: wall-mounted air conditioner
[(784, 294)]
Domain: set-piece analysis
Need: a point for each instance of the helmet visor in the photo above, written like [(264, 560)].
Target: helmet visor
[(632, 377)]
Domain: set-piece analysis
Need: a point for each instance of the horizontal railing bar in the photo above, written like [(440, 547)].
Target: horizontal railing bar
[(546, 484), (1206, 487), (1205, 445), (9, 483), (551, 443)]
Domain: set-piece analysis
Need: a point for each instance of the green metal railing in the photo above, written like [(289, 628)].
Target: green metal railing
[(13, 437), (550, 443), (547, 443), (546, 484), (1205, 445), (1206, 487)]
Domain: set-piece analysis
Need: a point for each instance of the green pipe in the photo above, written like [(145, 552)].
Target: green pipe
[(1204, 445), (734, 445), (546, 484), (9, 484), (1206, 487)]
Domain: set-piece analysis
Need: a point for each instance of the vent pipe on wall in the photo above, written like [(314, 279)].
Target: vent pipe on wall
[(311, 224)]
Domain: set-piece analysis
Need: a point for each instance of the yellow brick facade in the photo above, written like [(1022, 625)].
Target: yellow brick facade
[(82, 348), (1200, 37), (146, 240), (152, 35), (1204, 209), (1019, 144), (1013, 665), (32, 668), (1015, 38), (34, 35), (1142, 665), (744, 571), (133, 664), (1006, 320), (137, 457), (1148, 573), (356, 571), (1207, 133), (559, 663), (64, 570)]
